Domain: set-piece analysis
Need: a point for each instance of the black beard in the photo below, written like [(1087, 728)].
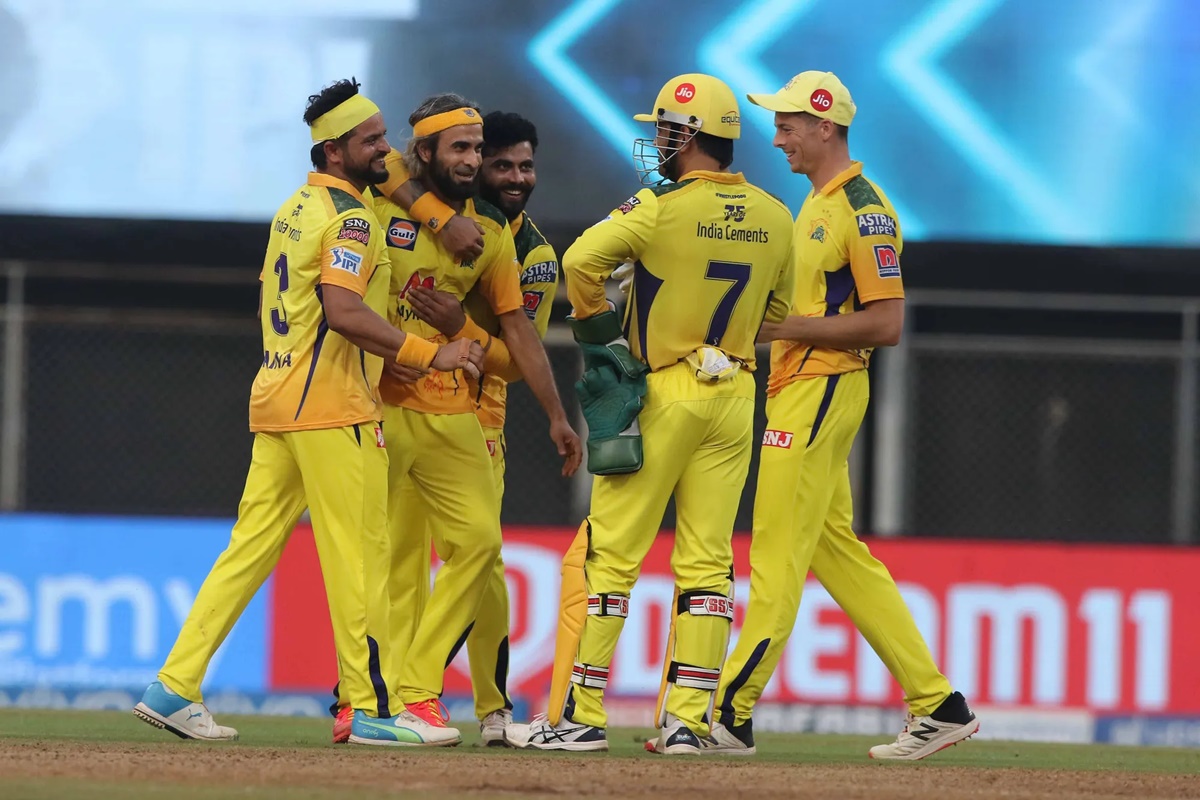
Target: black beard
[(511, 208), (668, 168), (450, 189), (367, 175)]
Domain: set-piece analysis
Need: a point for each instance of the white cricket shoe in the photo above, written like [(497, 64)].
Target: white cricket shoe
[(677, 739), (493, 727), (951, 723), (736, 740), (164, 709), (567, 735)]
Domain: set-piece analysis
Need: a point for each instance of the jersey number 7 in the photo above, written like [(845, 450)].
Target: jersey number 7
[(738, 275)]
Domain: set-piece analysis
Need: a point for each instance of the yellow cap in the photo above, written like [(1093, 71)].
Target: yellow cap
[(698, 101), (818, 93)]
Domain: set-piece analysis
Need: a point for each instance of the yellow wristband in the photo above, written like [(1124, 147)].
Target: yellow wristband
[(471, 330), (431, 212), (416, 352)]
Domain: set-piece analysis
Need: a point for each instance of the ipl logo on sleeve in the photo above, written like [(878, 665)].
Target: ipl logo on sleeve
[(346, 260)]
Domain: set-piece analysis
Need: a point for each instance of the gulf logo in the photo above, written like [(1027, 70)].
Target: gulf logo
[(402, 233)]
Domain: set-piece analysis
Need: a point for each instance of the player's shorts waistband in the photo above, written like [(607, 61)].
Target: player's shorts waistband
[(677, 383)]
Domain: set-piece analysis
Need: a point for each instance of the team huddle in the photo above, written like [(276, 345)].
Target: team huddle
[(403, 290)]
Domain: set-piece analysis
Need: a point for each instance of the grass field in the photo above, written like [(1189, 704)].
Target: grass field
[(84, 755)]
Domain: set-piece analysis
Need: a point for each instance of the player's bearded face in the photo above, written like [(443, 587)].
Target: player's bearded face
[(508, 178), (454, 170), (365, 164), (669, 140), (363, 152)]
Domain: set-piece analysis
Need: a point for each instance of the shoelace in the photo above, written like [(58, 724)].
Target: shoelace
[(436, 709)]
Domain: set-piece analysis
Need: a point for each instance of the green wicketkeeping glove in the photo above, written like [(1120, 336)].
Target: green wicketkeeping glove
[(611, 404), (603, 342)]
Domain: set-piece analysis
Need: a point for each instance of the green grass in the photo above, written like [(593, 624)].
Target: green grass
[(807, 748), (105, 727)]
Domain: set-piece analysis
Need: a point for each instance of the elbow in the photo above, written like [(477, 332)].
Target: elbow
[(336, 319), (571, 261), (890, 336)]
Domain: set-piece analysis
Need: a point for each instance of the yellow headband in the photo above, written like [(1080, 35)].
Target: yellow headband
[(448, 119), (342, 118)]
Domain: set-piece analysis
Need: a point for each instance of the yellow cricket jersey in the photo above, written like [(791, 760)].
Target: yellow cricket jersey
[(539, 282), (713, 255), (325, 234), (848, 245), (418, 257)]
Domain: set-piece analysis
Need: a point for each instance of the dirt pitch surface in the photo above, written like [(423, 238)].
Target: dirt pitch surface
[(101, 765)]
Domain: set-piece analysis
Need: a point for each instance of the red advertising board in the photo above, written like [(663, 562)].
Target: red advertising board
[(1103, 628)]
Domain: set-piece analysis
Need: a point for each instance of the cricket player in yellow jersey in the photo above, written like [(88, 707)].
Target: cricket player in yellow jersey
[(315, 413), (713, 258), (507, 179), (435, 439), (849, 299)]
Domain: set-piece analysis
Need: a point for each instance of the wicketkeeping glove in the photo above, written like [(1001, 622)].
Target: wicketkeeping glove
[(603, 342), (610, 405)]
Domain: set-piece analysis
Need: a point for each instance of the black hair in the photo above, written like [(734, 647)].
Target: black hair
[(716, 147), (431, 106), (322, 103), (503, 129)]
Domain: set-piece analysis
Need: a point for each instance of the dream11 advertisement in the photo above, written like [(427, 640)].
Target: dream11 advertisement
[(1070, 642)]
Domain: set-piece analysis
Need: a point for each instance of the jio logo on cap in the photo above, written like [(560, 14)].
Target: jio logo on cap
[(684, 92), (821, 100)]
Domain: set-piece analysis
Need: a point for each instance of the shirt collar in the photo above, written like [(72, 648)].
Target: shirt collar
[(841, 178), (330, 182), (716, 177)]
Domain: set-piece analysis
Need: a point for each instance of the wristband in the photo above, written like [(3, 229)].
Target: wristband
[(416, 352), (431, 212)]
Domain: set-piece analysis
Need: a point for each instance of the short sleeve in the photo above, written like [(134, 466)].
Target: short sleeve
[(347, 255), (539, 284), (873, 244), (500, 273)]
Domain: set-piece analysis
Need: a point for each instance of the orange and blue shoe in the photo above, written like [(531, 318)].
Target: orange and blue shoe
[(342, 724), (420, 724)]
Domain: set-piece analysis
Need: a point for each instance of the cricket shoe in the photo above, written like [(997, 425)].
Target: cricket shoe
[(720, 740), (677, 739), (566, 735), (164, 709), (951, 723), (342, 725), (407, 729), (491, 730), (730, 740)]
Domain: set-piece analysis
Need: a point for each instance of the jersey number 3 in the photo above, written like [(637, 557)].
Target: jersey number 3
[(279, 315), (738, 275)]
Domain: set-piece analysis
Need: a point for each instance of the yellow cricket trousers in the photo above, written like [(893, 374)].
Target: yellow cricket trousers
[(340, 474), (802, 519), (452, 497), (697, 442), (487, 641)]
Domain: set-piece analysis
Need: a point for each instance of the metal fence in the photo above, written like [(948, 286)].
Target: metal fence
[(1059, 436), (115, 406)]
